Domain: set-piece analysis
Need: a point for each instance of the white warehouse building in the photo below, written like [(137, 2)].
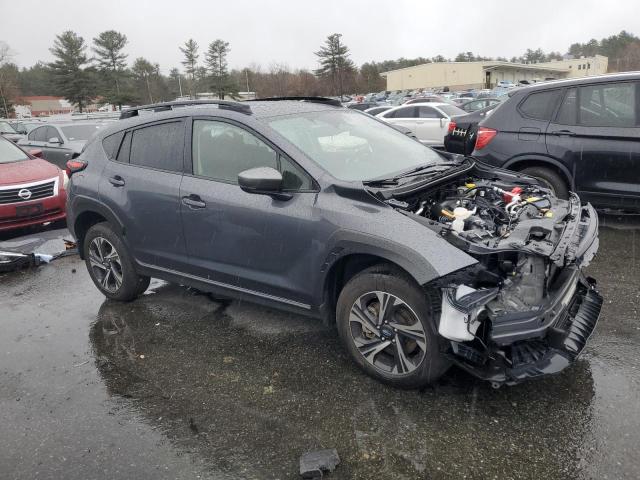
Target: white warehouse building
[(487, 74)]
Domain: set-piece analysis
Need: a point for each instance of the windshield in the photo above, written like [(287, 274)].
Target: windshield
[(79, 132), (6, 128), (10, 153), (352, 146)]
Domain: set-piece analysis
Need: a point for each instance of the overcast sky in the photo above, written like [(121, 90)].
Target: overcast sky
[(289, 31)]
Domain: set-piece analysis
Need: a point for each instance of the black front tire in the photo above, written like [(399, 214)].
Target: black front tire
[(551, 179), (132, 284), (386, 278)]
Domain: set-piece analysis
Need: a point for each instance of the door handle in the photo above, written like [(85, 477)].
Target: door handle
[(193, 202), (563, 133), (117, 181)]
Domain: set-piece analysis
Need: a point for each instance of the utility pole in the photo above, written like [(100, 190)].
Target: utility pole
[(339, 65)]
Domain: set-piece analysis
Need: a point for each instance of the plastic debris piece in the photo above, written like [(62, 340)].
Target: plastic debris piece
[(313, 464), (43, 257)]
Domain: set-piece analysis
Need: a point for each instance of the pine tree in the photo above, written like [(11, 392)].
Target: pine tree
[(216, 60), (75, 81), (190, 62), (334, 62), (112, 62)]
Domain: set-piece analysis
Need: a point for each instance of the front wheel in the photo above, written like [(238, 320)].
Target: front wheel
[(110, 265), (386, 322)]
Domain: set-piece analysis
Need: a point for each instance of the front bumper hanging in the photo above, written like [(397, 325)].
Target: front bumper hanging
[(551, 353)]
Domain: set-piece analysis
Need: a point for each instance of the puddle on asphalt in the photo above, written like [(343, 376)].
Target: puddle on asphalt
[(252, 403)]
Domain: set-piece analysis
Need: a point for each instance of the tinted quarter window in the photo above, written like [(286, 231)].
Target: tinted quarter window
[(608, 105), (111, 145), (568, 109), (158, 146), (293, 177), (125, 149), (540, 105), (221, 151)]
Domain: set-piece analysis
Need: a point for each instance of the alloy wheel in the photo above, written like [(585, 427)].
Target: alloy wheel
[(387, 333), (105, 264)]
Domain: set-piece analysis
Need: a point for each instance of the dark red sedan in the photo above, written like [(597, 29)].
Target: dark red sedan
[(32, 190)]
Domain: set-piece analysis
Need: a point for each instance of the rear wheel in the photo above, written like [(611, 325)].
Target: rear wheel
[(110, 265), (550, 179), (386, 322)]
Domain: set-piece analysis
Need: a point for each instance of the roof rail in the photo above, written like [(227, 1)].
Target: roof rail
[(164, 106), (323, 100)]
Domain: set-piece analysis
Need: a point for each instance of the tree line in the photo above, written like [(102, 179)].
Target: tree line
[(101, 71)]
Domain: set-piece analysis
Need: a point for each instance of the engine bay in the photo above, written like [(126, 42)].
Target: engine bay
[(485, 212)]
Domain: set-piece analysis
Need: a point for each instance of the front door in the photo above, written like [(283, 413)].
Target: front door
[(142, 187), (247, 242), (56, 152)]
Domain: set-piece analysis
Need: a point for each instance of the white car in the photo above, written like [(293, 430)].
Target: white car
[(428, 121)]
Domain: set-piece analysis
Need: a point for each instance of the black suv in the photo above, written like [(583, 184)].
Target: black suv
[(421, 258), (579, 135)]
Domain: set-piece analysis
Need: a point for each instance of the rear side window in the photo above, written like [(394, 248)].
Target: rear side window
[(407, 112), (158, 146), (608, 105), (428, 112), (540, 105), (111, 145)]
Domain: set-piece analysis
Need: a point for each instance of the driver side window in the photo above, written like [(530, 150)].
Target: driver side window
[(221, 151)]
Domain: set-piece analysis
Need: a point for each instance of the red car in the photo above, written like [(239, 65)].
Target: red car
[(32, 190)]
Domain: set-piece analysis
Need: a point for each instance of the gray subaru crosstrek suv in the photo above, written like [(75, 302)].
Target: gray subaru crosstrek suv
[(422, 259)]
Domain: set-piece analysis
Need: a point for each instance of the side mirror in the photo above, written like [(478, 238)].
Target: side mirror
[(55, 140), (36, 152), (263, 181)]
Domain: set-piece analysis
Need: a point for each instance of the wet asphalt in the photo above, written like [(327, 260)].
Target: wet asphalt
[(176, 385)]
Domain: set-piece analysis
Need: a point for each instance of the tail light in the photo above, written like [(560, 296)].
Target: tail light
[(452, 126), (74, 166), (484, 136)]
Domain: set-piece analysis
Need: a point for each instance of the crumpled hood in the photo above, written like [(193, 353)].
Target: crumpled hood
[(27, 171)]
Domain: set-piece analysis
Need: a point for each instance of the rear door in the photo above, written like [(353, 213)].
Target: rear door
[(247, 242), (432, 125), (142, 187), (596, 133)]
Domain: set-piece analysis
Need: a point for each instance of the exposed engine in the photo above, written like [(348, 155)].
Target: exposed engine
[(480, 210)]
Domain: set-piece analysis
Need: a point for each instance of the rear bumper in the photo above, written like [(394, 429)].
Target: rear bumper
[(555, 349)]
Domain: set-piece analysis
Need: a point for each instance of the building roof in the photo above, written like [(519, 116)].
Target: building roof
[(487, 64)]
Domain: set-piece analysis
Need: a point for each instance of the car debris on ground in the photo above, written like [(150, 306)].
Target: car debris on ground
[(313, 464)]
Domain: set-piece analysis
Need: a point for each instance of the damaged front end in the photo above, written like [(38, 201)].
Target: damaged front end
[(525, 309)]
